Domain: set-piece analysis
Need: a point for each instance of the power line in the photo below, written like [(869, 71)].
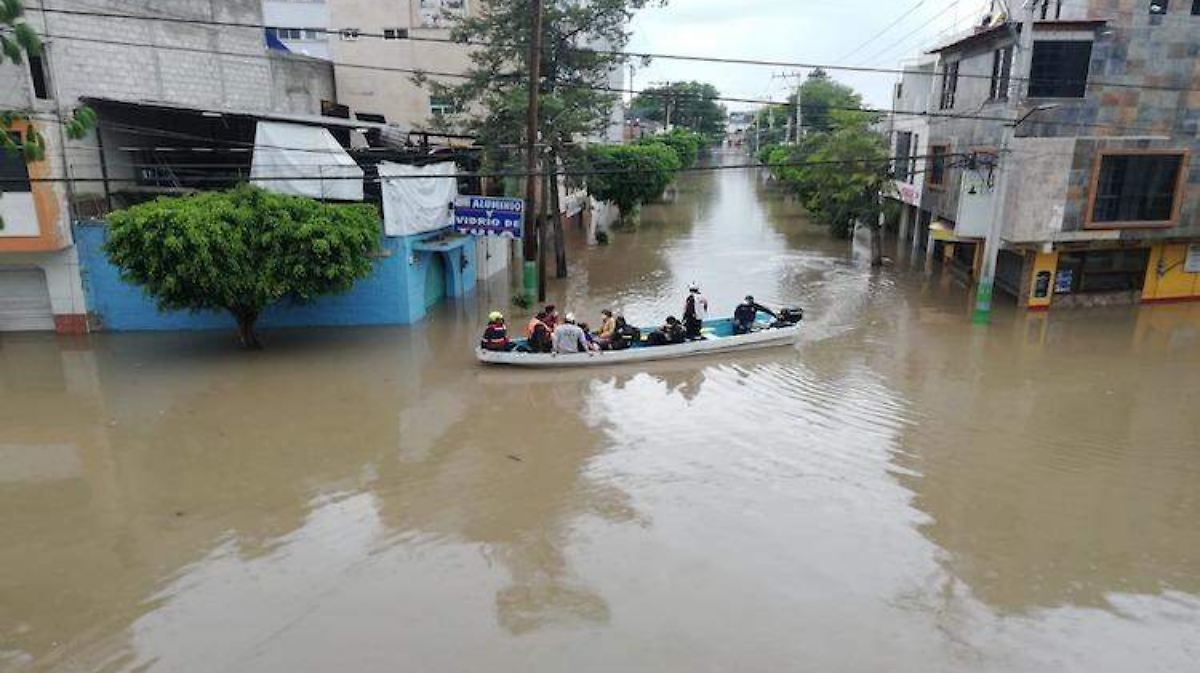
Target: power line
[(517, 174), (649, 92), (885, 29), (586, 50)]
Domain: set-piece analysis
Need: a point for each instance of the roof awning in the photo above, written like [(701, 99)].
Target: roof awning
[(115, 104)]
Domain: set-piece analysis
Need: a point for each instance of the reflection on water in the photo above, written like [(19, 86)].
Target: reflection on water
[(901, 491)]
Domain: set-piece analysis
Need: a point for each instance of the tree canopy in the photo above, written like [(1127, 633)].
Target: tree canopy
[(241, 250), (630, 175), (684, 143), (692, 105), (820, 96), (574, 101)]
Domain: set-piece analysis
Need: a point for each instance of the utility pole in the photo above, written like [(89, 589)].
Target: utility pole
[(533, 221), (1017, 88)]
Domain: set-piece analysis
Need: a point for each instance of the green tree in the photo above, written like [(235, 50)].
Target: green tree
[(575, 103), (692, 105), (241, 250), (18, 40), (820, 96), (631, 175), (685, 143)]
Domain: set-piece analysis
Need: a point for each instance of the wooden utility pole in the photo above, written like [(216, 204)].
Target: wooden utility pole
[(533, 225)]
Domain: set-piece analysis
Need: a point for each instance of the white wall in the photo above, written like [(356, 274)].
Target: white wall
[(311, 14)]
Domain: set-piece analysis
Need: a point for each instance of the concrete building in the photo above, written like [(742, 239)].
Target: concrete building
[(910, 144), (300, 26), (207, 68), (1103, 196)]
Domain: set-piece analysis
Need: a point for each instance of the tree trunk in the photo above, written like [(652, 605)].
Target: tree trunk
[(245, 327), (560, 244)]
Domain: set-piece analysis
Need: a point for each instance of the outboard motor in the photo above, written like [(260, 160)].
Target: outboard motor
[(789, 317)]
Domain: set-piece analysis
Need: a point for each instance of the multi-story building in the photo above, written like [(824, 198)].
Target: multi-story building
[(1102, 203), (177, 89), (299, 26), (910, 144)]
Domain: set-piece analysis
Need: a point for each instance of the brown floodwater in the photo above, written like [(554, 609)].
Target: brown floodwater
[(901, 491)]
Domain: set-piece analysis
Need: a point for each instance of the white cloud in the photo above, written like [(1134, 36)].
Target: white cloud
[(794, 31)]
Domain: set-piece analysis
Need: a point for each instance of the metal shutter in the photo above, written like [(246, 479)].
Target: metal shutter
[(24, 301)]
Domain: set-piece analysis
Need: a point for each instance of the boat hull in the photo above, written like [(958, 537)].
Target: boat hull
[(765, 338)]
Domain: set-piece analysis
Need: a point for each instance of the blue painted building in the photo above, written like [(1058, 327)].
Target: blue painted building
[(411, 274)]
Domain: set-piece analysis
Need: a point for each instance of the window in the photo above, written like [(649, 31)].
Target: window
[(1059, 69), (289, 33), (1001, 72), (937, 165), (912, 166), (903, 152), (395, 33), (1195, 7), (350, 34), (1137, 188), (949, 85), (37, 72), (14, 174), (1046, 5), (1102, 270), (439, 106), (1158, 7)]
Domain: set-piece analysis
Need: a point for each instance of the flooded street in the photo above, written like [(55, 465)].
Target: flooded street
[(902, 491)]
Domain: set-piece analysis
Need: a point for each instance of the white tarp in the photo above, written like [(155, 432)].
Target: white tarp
[(304, 161), (417, 199)]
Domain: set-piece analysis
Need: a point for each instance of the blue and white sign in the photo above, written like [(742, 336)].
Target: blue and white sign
[(489, 216)]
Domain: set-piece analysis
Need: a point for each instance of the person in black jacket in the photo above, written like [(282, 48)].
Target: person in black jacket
[(626, 336), (746, 313), (671, 333)]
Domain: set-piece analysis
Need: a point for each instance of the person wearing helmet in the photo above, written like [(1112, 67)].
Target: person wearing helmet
[(746, 313), (495, 335), (695, 312)]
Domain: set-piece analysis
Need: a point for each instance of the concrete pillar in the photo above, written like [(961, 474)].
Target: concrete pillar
[(929, 246), (905, 225)]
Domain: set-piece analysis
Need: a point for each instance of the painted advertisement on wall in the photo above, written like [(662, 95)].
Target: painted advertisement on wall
[(440, 13)]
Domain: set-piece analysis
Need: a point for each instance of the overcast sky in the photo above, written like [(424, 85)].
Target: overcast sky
[(803, 31)]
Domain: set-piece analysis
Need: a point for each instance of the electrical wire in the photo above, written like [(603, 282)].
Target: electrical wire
[(585, 50), (885, 29)]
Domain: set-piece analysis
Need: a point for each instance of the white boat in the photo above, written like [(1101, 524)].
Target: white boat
[(718, 338)]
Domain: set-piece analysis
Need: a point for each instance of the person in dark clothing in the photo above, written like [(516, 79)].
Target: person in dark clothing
[(626, 336), (746, 313), (670, 333), (695, 312), (495, 336)]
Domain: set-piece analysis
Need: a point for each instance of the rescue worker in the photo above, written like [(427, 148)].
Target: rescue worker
[(695, 312), (495, 335), (746, 313), (538, 336)]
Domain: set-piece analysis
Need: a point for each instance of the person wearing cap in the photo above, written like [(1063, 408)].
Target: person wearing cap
[(746, 313), (695, 312), (569, 338), (495, 336)]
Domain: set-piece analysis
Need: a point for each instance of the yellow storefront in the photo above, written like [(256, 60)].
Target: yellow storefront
[(1173, 273)]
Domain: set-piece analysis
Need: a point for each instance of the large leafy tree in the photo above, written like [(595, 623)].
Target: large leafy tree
[(576, 100), (686, 144), (630, 175), (692, 105), (820, 97), (241, 250)]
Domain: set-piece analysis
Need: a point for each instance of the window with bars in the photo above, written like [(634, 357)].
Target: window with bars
[(1001, 73), (949, 86), (395, 33), (1059, 69), (1050, 9), (1137, 188), (441, 105), (350, 34)]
